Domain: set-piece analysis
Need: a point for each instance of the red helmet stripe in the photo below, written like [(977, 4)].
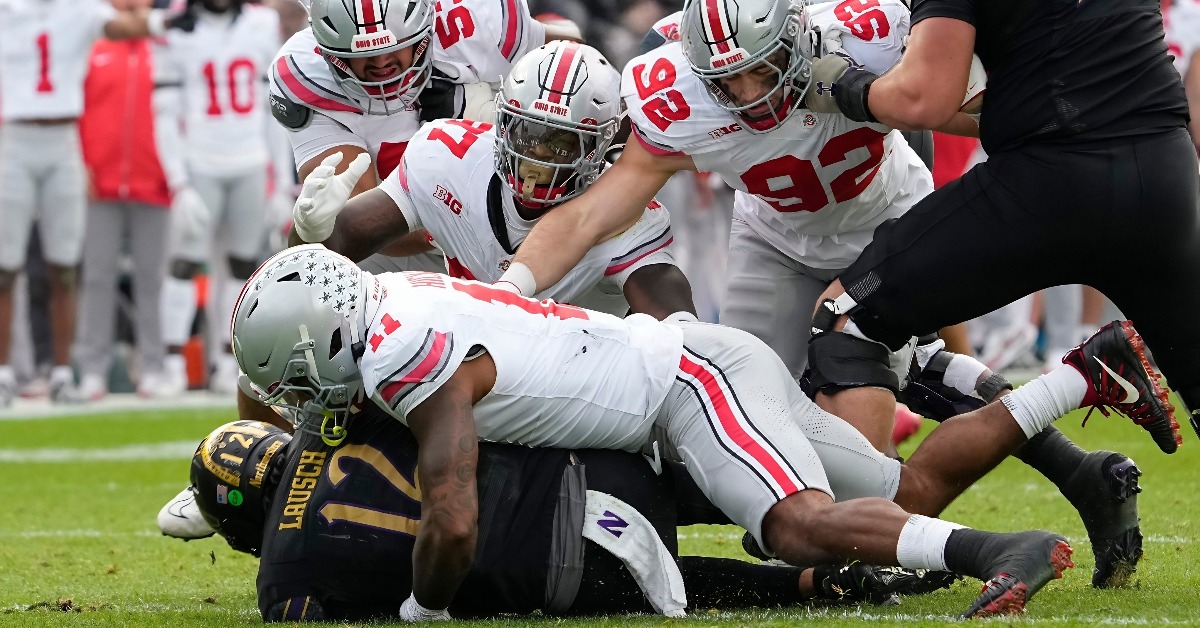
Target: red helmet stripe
[(370, 13), (564, 64), (714, 19)]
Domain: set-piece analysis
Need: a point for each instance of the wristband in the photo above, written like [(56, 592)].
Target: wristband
[(851, 94), (411, 610), (521, 278)]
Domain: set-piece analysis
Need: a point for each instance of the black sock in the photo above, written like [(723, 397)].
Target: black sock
[(966, 550), (1052, 454)]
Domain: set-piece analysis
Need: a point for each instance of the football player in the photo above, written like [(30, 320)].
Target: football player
[(564, 532), (44, 46), (478, 189), (730, 97), (459, 360), (211, 128)]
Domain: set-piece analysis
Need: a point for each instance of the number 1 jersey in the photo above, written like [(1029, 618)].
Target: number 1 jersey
[(565, 376)]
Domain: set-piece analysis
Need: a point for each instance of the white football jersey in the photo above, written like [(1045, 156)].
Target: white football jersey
[(1181, 22), (448, 176), (221, 66), (44, 50), (472, 41), (565, 376), (817, 186)]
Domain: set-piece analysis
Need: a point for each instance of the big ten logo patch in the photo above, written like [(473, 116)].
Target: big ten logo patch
[(442, 194)]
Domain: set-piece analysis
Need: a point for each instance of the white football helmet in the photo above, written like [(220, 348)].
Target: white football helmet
[(722, 38), (557, 113), (297, 333), (347, 29)]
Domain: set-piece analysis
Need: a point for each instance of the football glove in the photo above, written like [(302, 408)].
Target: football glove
[(192, 213), (324, 194)]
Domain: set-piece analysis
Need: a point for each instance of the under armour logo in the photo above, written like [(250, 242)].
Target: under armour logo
[(822, 90), (614, 525)]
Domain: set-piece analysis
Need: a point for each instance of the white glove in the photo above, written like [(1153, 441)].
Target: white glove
[(324, 194), (192, 213), (479, 102), (412, 611)]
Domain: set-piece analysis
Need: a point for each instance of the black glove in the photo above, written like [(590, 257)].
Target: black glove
[(437, 99)]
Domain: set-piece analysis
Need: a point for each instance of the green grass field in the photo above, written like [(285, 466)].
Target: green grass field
[(79, 545)]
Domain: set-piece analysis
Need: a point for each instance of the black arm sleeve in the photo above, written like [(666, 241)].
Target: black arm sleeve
[(652, 40), (962, 10)]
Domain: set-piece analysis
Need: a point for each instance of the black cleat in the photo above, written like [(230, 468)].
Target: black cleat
[(858, 582), (1120, 377), (1104, 490), (1025, 563)]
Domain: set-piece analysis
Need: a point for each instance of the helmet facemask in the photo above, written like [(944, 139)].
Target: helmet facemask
[(543, 161), (384, 98)]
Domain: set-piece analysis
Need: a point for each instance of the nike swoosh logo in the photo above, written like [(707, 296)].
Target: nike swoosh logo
[(1131, 391)]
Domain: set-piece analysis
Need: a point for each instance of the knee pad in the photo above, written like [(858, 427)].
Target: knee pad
[(64, 276), (242, 268), (183, 269), (7, 279), (839, 361)]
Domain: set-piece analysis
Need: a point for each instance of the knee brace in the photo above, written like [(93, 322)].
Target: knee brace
[(64, 276), (840, 361), (242, 268), (7, 279), (927, 394), (183, 269), (830, 309)]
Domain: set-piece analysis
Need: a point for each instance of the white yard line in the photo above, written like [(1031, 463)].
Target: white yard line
[(27, 409), (176, 450)]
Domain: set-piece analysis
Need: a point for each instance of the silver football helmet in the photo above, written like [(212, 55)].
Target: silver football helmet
[(557, 113), (722, 38), (347, 29), (297, 334)]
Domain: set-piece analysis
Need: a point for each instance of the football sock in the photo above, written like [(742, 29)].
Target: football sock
[(967, 550), (1041, 402), (178, 310), (1052, 454), (922, 543)]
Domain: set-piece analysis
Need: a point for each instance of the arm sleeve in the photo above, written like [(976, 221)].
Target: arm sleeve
[(396, 187), (962, 10), (322, 134)]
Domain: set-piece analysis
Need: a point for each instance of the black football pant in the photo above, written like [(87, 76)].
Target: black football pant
[(1120, 215)]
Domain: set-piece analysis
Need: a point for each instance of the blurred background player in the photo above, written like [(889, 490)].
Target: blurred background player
[(211, 99), (127, 214), (44, 48)]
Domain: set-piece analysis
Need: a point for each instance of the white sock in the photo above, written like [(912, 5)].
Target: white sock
[(963, 373), (62, 373), (178, 310), (228, 297), (1041, 402), (922, 543)]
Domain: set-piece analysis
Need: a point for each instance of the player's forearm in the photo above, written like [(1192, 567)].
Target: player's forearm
[(449, 453), (133, 24), (1192, 86), (926, 89), (961, 124)]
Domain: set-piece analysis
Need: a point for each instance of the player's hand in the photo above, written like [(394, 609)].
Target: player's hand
[(193, 214), (827, 70), (324, 194)]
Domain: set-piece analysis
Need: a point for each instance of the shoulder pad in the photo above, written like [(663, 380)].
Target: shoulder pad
[(290, 114)]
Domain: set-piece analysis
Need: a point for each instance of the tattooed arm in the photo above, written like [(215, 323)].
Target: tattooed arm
[(445, 429)]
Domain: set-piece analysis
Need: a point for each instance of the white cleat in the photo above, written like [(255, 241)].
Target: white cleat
[(181, 518)]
